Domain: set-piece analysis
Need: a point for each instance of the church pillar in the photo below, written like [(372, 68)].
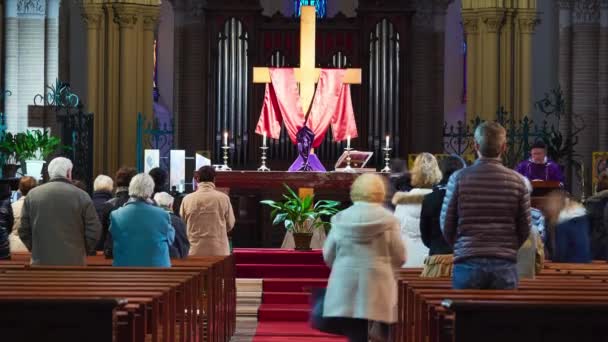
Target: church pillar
[(471, 28), (126, 17), (499, 57), (440, 9), (565, 61), (526, 21), (603, 78), (92, 15), (585, 96), (120, 65), (491, 20), (150, 20)]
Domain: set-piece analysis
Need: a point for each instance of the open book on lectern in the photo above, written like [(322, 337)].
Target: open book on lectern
[(358, 160)]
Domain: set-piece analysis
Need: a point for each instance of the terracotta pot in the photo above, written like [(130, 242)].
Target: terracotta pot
[(302, 241), (9, 170)]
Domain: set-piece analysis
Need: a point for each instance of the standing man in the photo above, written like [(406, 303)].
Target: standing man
[(539, 167), (59, 224), (486, 216), (208, 215)]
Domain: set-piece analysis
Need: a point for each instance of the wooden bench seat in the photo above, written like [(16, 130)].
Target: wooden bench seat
[(192, 301)]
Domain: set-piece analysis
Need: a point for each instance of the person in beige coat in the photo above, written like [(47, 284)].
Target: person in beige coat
[(26, 184), (209, 217), (363, 249)]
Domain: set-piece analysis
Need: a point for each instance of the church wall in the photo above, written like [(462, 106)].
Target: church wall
[(454, 65), (166, 60), (545, 50), (31, 61), (77, 51)]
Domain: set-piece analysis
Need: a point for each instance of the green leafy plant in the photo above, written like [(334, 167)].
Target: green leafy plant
[(9, 149), (300, 215), (35, 145)]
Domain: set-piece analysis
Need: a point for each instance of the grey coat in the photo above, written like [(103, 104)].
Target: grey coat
[(363, 249), (59, 224)]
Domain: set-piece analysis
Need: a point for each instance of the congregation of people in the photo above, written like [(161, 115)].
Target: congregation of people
[(131, 218), (474, 223)]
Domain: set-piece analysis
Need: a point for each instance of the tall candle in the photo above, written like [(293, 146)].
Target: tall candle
[(348, 141), (264, 140), (387, 140), (226, 139)]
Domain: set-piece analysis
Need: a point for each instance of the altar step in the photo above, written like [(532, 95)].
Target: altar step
[(277, 256), (248, 298), (281, 271)]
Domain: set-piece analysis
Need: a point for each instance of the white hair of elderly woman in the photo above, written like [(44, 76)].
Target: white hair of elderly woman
[(164, 200), (141, 186), (103, 183), (60, 167)]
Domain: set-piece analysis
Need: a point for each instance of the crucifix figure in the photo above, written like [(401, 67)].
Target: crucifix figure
[(304, 97)]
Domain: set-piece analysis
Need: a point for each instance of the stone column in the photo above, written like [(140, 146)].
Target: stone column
[(492, 21), (422, 76), (471, 28), (526, 21), (440, 9), (92, 14), (150, 19), (565, 61), (603, 78), (585, 44), (126, 16), (507, 67)]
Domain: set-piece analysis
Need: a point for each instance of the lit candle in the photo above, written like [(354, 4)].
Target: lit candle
[(387, 140), (348, 141), (264, 140), (226, 139)]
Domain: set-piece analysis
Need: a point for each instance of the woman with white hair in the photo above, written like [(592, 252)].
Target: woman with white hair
[(141, 231), (425, 175), (180, 247), (363, 249), (102, 193)]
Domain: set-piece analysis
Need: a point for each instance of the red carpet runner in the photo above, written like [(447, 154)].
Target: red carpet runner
[(287, 277)]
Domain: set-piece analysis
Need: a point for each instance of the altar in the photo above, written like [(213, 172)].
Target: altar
[(247, 188)]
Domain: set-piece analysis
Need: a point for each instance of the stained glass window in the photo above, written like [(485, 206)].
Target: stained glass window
[(319, 4)]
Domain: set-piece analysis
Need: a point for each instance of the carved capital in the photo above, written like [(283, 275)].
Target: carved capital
[(586, 11), (31, 7), (92, 16), (150, 18), (470, 24), (527, 24), (493, 22), (125, 15)]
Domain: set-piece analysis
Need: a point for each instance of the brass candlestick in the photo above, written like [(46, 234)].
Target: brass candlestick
[(225, 167), (387, 160), (264, 168)]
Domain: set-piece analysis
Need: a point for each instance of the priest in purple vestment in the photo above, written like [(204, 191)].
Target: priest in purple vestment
[(539, 167)]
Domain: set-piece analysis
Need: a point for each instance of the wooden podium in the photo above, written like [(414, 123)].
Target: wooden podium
[(540, 189)]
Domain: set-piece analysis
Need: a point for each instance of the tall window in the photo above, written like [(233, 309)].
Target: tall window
[(319, 4)]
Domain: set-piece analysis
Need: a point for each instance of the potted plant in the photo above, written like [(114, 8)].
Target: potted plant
[(34, 147), (301, 215), (10, 158)]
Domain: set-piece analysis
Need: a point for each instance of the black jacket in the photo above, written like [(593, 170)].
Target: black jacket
[(103, 208), (181, 245), (430, 229), (122, 197), (597, 211)]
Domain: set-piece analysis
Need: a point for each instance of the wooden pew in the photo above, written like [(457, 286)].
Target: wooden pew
[(76, 319), (203, 306), (423, 318)]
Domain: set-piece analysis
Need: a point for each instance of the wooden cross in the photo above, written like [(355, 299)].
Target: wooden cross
[(307, 75)]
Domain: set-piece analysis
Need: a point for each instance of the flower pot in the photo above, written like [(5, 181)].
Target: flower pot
[(33, 168), (302, 241), (9, 170)]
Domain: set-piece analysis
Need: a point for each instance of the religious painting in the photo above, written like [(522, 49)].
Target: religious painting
[(177, 176), (600, 164), (468, 158), (151, 160)]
